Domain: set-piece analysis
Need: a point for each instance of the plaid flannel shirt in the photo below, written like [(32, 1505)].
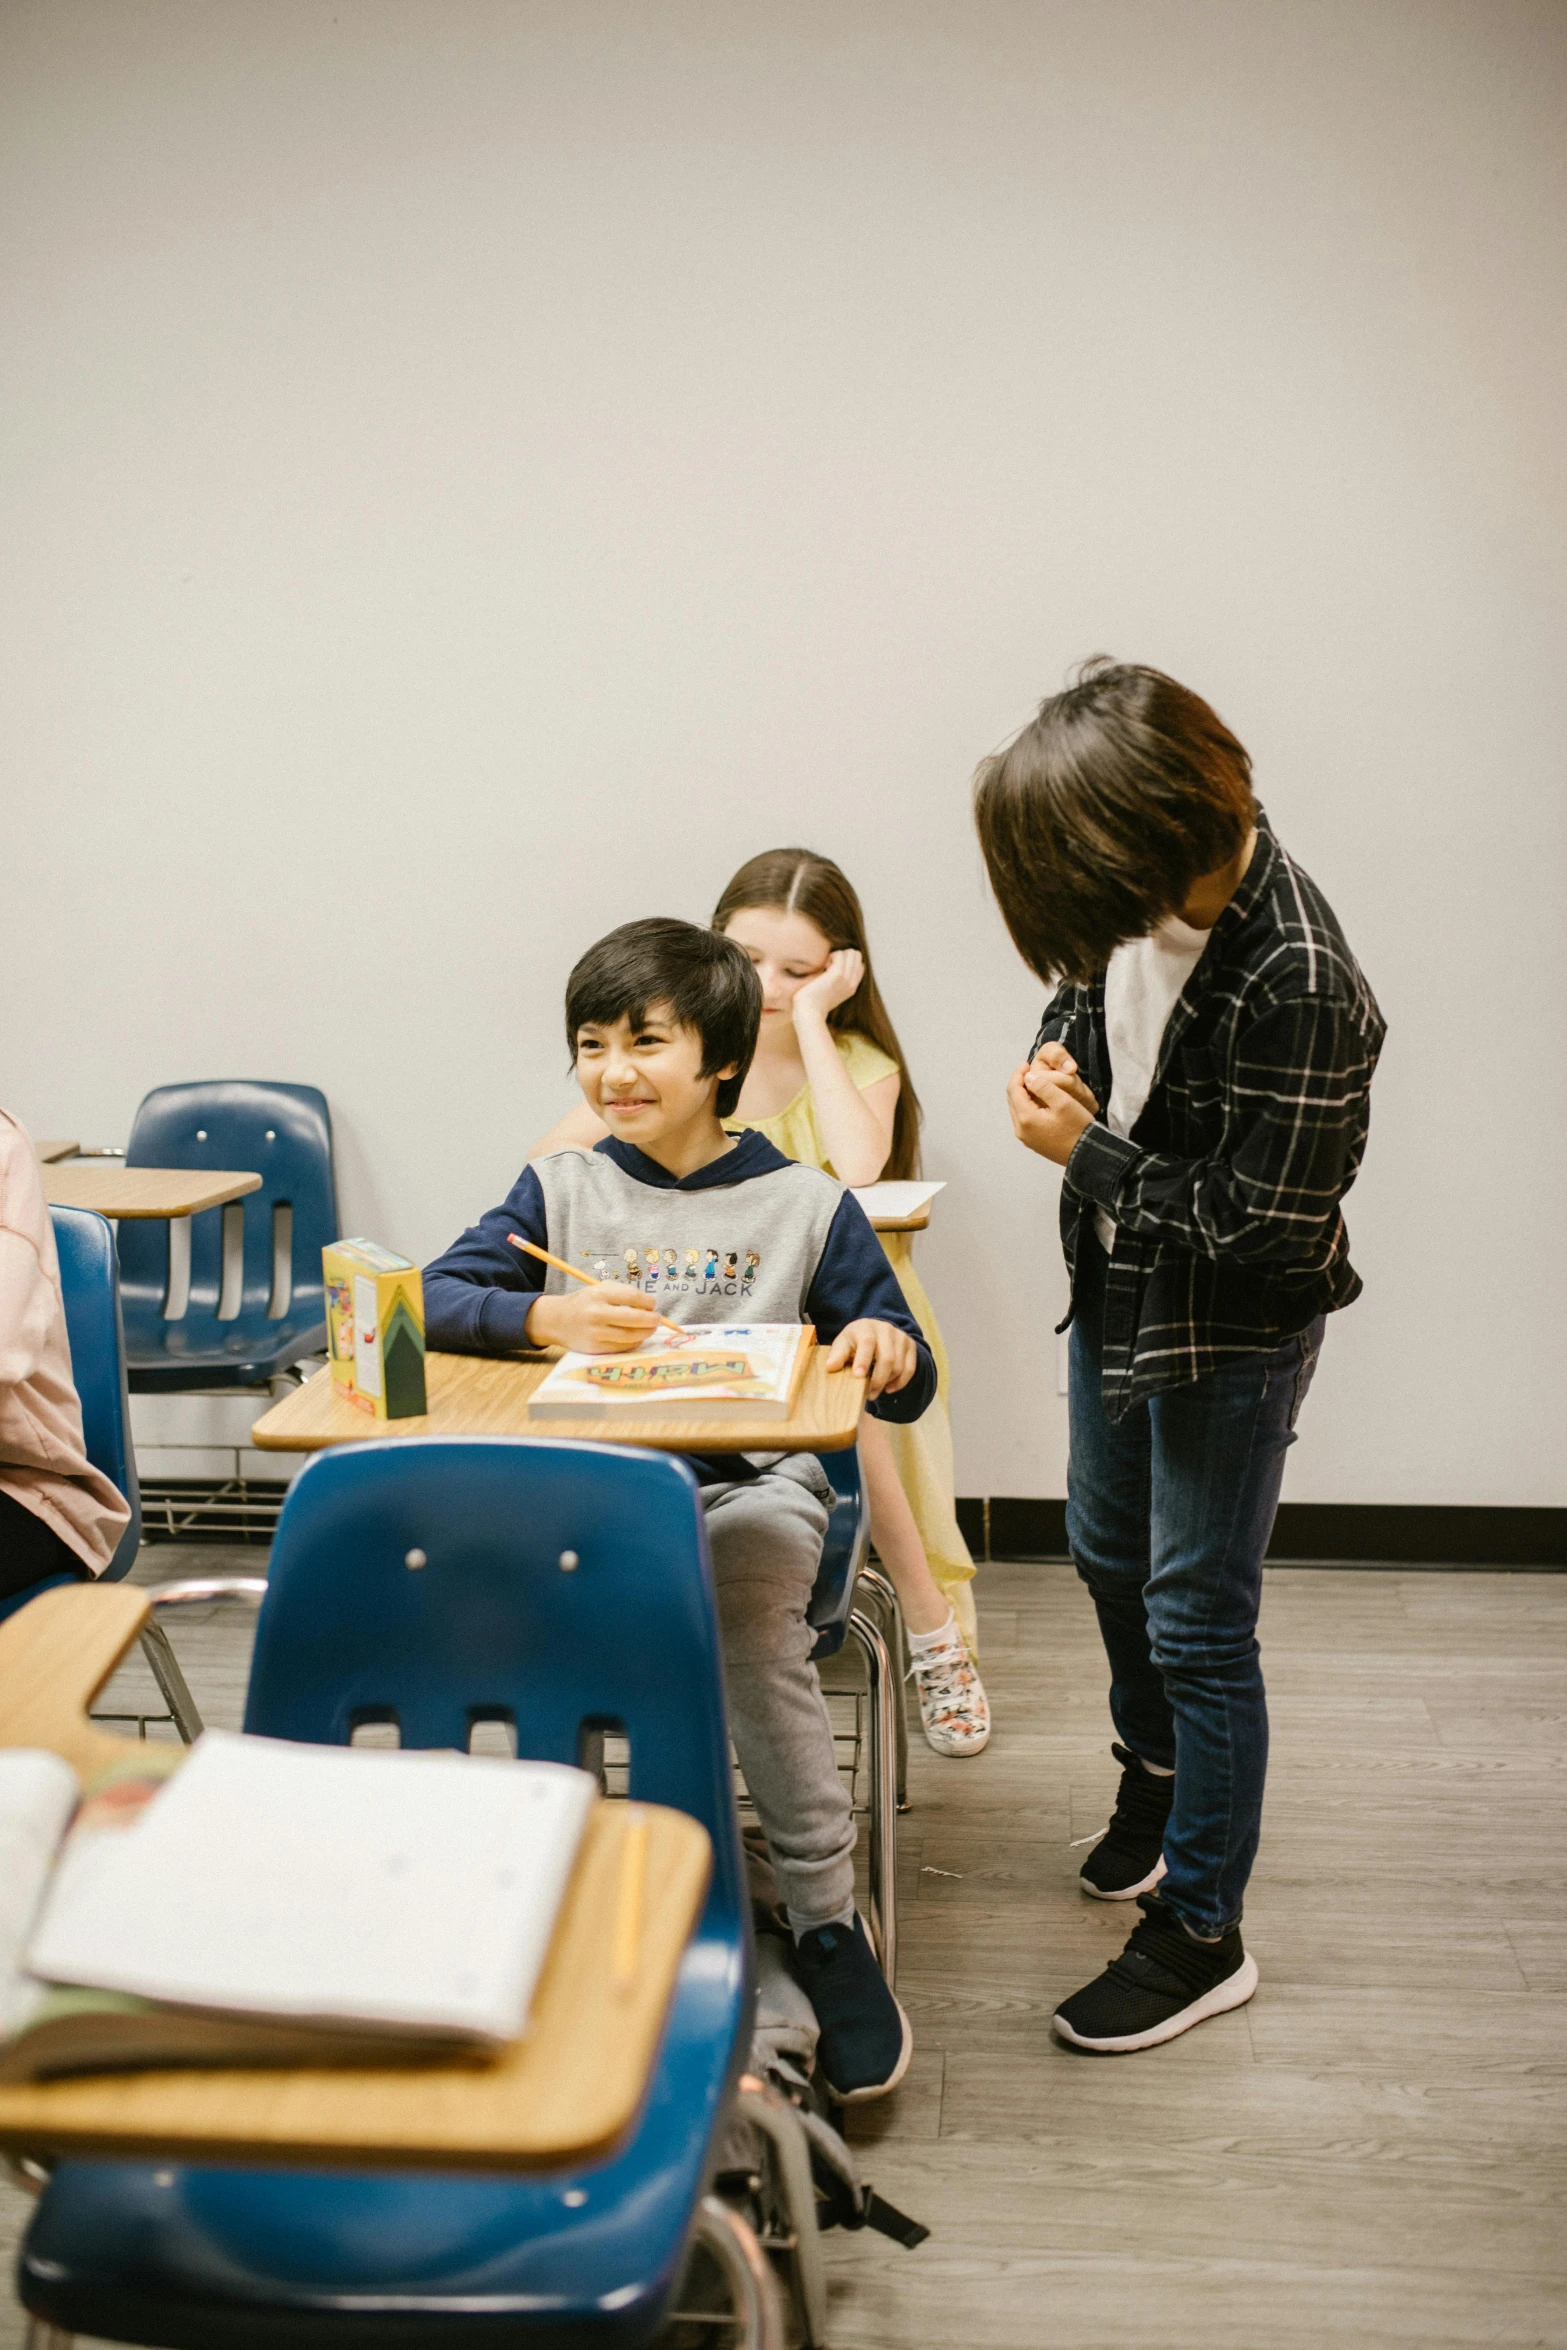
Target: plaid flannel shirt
[(1229, 1233)]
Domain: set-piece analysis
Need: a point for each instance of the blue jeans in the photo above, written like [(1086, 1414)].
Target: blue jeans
[(1168, 1516)]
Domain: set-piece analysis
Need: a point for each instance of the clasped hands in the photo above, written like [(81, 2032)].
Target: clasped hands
[(1050, 1103)]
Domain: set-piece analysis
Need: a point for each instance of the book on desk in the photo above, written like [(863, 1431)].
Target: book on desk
[(275, 1903), (754, 1369)]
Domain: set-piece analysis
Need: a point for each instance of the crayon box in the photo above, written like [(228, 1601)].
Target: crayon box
[(375, 1328)]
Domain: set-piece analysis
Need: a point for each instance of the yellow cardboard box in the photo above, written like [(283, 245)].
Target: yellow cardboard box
[(375, 1328)]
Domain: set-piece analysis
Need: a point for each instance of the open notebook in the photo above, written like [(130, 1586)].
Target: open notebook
[(283, 1903)]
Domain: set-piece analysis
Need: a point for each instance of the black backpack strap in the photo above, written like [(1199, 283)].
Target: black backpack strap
[(887, 2220)]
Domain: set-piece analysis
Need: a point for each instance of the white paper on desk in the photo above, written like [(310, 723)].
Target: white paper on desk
[(895, 1199), (325, 1884)]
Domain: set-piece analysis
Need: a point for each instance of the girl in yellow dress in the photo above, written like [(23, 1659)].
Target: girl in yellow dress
[(828, 1086)]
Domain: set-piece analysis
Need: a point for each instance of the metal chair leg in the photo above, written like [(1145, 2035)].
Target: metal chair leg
[(883, 1791), (881, 1586), (742, 2263), (164, 1666), (795, 2194)]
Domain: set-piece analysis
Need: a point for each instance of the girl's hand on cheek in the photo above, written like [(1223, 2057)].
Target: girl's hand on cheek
[(832, 986)]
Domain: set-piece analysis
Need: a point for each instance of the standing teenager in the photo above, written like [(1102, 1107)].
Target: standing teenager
[(1202, 1076)]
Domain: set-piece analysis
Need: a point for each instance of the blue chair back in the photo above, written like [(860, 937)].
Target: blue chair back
[(90, 1286), (284, 1134), (488, 1623), (843, 1552)]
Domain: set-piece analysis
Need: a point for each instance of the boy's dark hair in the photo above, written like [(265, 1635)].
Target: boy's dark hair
[(708, 982), (1098, 818)]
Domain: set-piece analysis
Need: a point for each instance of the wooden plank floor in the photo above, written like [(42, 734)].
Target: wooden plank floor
[(1374, 2152)]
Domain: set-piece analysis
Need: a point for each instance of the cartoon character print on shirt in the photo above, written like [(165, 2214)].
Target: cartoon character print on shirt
[(706, 1272)]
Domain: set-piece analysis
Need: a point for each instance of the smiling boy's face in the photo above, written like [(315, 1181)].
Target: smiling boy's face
[(646, 1082)]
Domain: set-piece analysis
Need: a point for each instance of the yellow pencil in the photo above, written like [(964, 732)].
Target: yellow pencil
[(628, 1914), (531, 1248)]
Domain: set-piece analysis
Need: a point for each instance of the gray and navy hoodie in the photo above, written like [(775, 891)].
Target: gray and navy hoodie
[(751, 1237)]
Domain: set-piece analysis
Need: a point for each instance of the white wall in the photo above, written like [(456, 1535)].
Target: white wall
[(481, 468)]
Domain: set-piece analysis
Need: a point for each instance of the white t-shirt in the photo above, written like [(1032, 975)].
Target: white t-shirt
[(1142, 983)]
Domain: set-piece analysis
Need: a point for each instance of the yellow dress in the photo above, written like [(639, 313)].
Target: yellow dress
[(923, 1449)]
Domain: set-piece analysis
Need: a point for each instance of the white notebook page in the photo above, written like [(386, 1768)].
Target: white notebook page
[(895, 1199), (329, 1883)]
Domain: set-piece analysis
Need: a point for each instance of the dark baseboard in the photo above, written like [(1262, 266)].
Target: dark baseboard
[(1316, 1533)]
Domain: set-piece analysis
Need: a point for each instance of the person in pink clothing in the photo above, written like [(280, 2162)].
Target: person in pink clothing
[(58, 1514)]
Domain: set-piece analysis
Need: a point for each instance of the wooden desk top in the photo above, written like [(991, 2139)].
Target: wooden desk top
[(567, 2093), (49, 1151), (915, 1223), (478, 1395), (117, 1190)]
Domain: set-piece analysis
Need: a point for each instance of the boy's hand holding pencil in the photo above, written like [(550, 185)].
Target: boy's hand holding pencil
[(603, 1317)]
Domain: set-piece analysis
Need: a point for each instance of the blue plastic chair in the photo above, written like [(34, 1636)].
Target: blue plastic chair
[(568, 1588), (284, 1134), (90, 1292), (90, 1288)]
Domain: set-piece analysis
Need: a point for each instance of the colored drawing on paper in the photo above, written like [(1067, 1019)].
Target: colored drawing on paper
[(672, 1370)]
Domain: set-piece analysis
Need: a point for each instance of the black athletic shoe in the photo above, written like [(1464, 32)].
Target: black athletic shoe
[(1129, 1857), (1164, 1981), (866, 2041)]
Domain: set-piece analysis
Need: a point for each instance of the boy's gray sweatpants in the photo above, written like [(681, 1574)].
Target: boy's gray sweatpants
[(766, 1540)]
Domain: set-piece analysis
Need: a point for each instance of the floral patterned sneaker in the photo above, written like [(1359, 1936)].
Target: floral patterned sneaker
[(954, 1710)]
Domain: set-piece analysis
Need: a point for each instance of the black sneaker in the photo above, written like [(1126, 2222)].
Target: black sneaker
[(866, 2041), (1129, 1857), (1164, 1981)]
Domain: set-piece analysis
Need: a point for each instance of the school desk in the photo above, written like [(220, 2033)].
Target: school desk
[(481, 1395), (48, 1152), (565, 2094), (114, 1189), (890, 1208), (915, 1223)]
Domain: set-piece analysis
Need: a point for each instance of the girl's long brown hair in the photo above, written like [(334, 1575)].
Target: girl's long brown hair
[(797, 881)]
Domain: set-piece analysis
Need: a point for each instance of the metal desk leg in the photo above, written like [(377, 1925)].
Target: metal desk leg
[(740, 2260), (879, 1585), (883, 1791), (795, 2195), (164, 1666)]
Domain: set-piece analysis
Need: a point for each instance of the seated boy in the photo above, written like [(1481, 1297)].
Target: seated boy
[(661, 1021)]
